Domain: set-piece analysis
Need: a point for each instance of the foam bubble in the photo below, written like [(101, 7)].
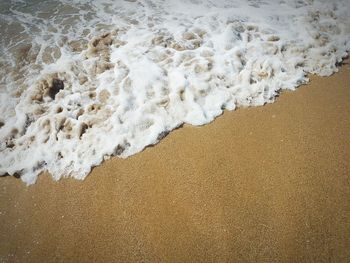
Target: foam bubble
[(85, 80)]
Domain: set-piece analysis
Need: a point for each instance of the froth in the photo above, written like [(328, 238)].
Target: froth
[(102, 78)]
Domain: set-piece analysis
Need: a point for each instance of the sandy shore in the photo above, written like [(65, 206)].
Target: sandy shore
[(267, 184)]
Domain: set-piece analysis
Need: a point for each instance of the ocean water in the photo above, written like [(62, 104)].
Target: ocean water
[(81, 81)]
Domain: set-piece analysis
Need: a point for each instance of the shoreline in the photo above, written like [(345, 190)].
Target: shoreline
[(265, 184)]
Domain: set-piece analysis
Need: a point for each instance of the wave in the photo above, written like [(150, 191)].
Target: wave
[(81, 81)]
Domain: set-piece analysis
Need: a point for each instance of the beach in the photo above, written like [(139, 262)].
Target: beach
[(81, 81), (262, 184)]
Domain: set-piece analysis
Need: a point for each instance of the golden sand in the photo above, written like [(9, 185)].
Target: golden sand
[(267, 184)]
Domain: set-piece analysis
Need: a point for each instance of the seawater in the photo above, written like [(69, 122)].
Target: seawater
[(81, 81)]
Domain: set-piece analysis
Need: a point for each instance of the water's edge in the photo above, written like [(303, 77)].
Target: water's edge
[(92, 80)]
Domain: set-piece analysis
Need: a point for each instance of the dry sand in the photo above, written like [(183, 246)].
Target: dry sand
[(267, 184)]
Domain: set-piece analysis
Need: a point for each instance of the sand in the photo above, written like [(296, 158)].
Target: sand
[(266, 184)]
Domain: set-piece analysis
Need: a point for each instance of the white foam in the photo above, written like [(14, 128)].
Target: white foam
[(134, 70)]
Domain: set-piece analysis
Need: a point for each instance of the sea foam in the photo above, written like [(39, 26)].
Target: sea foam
[(85, 80)]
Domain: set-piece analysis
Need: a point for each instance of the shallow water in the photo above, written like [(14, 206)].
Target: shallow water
[(81, 81)]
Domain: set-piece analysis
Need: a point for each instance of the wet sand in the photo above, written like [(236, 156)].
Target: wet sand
[(266, 184)]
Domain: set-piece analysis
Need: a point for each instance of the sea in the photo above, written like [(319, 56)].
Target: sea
[(81, 81)]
